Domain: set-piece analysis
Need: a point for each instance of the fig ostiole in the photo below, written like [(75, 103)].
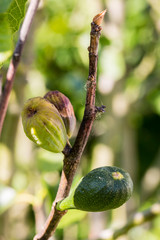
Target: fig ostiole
[(43, 124), (101, 189), (65, 108)]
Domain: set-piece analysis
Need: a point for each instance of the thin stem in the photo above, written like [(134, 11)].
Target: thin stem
[(138, 219), (16, 59), (72, 158)]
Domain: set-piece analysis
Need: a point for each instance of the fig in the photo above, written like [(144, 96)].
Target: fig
[(43, 124), (101, 189)]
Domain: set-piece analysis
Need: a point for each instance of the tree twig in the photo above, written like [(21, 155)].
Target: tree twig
[(72, 157), (138, 219), (16, 59)]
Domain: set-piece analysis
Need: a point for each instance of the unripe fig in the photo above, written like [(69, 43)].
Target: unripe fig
[(101, 189), (65, 108), (43, 124)]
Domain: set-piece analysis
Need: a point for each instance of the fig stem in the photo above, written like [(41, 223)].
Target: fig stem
[(66, 203)]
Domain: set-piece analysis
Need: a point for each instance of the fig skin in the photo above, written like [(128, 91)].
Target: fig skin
[(43, 124), (65, 108), (101, 189)]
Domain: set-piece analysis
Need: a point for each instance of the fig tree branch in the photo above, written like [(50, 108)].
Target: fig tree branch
[(73, 155), (138, 219), (16, 59)]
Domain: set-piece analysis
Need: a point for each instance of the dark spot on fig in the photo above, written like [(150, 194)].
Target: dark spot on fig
[(44, 124), (31, 112)]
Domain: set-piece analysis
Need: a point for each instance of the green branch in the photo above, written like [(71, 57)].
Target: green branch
[(138, 219)]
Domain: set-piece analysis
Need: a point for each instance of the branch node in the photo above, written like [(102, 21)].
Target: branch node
[(91, 78), (95, 29), (67, 149), (16, 57), (93, 54)]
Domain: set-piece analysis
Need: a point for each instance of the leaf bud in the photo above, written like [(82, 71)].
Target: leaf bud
[(65, 108)]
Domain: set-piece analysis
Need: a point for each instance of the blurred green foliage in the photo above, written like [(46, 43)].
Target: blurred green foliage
[(11, 14), (128, 135)]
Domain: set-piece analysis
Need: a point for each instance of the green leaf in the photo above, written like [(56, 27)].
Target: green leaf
[(16, 13), (5, 39), (5, 34), (7, 197), (11, 14), (4, 5)]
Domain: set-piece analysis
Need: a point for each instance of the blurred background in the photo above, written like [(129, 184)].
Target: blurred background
[(127, 135)]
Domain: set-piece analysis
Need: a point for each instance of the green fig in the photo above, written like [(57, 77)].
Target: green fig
[(65, 108), (43, 124), (101, 189)]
